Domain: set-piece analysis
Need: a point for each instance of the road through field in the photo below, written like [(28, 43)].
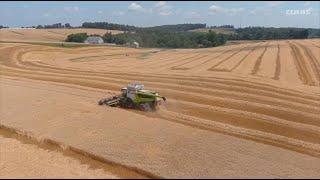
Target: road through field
[(257, 97)]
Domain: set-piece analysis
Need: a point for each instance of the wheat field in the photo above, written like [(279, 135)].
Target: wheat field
[(47, 35), (265, 92)]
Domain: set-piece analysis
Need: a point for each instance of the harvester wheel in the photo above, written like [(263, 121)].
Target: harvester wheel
[(150, 106), (129, 103), (153, 106), (126, 103)]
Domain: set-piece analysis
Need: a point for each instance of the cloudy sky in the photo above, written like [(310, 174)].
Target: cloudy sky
[(151, 13)]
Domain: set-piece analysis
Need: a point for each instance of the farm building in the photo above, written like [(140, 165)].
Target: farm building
[(133, 44), (94, 40)]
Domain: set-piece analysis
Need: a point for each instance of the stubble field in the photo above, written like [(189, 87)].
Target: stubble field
[(244, 110), (47, 35)]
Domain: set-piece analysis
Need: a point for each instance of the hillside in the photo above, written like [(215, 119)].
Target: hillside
[(216, 30), (48, 35)]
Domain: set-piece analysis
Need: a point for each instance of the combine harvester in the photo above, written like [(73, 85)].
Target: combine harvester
[(135, 97)]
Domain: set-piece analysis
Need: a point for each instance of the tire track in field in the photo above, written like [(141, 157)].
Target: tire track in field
[(53, 38), (151, 62), (15, 32), (301, 66), (163, 62), (192, 60), (315, 45), (177, 61), (56, 33), (212, 68), (278, 65), (248, 120), (257, 136), (313, 62), (221, 53), (85, 58), (258, 61), (217, 56), (238, 64)]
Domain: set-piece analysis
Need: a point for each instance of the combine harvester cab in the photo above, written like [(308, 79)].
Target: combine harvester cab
[(134, 96)]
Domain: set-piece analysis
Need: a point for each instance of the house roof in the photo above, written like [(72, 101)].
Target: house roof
[(94, 38)]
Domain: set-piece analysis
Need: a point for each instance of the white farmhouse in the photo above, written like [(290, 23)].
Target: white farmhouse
[(133, 44), (94, 40)]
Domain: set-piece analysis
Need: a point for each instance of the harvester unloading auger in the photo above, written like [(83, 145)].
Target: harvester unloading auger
[(135, 97)]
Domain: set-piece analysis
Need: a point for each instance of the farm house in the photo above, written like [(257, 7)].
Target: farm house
[(133, 44), (94, 40)]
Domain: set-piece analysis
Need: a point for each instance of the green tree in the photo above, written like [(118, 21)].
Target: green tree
[(79, 37), (67, 25)]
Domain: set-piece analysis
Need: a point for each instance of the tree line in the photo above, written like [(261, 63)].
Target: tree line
[(167, 39), (2, 27), (109, 26), (314, 33), (179, 36), (223, 26), (78, 37), (160, 39), (174, 27), (165, 36), (263, 33), (122, 27), (53, 26), (247, 33)]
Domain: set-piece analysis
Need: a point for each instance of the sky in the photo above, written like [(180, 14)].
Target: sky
[(305, 14)]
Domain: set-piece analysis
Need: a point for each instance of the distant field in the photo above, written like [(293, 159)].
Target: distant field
[(52, 35), (217, 30)]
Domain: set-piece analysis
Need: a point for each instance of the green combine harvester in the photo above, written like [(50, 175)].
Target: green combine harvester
[(135, 97)]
